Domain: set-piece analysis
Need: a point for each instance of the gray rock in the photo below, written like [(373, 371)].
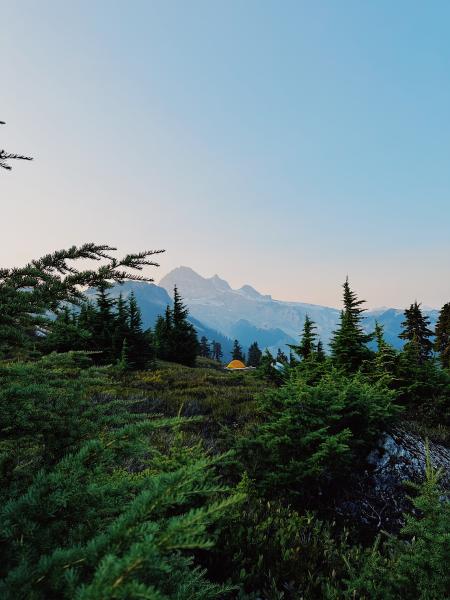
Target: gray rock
[(378, 498)]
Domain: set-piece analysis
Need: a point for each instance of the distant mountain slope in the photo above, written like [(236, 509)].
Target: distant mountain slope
[(247, 333), (247, 314), (216, 304)]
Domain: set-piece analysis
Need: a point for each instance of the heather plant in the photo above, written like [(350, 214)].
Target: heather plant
[(272, 551)]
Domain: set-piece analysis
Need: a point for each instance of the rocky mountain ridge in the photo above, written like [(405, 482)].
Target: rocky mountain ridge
[(216, 304)]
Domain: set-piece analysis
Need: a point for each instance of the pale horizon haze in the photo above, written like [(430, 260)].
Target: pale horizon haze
[(281, 145)]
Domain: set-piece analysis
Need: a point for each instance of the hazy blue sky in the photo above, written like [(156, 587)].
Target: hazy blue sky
[(281, 144)]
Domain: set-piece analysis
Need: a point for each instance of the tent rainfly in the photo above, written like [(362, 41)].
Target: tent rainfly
[(236, 364)]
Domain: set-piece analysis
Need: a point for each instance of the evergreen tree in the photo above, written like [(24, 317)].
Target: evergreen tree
[(281, 357), (384, 365), (442, 341), (416, 330), (179, 311), (217, 353), (134, 315), (86, 317), (104, 325), (163, 335), (237, 353), (66, 334), (123, 363), (176, 338), (307, 345), (320, 353), (184, 342), (121, 325), (254, 355), (104, 328), (348, 345), (421, 383), (267, 370), (139, 343), (204, 351), (292, 360)]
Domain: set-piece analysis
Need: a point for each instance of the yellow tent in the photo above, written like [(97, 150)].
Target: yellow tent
[(236, 364)]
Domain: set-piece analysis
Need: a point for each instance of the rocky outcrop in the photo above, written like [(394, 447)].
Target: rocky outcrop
[(401, 456), (378, 498)]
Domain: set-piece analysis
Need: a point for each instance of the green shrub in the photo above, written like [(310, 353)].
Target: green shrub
[(114, 520), (48, 408), (309, 434)]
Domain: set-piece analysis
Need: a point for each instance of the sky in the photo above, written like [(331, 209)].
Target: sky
[(279, 144)]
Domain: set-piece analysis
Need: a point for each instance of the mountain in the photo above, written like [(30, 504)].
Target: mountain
[(245, 313), (248, 315)]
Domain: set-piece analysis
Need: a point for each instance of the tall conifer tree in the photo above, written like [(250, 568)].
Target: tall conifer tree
[(204, 351), (307, 345), (254, 355), (122, 315), (349, 342), (237, 352), (442, 341), (140, 352), (320, 353), (179, 310), (217, 353), (416, 330), (281, 357), (385, 361), (104, 325), (176, 338), (163, 334), (184, 342)]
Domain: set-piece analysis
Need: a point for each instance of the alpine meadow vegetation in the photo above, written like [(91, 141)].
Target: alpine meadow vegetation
[(133, 465)]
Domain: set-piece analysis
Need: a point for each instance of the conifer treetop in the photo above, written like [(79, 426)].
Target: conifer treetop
[(348, 344), (307, 345), (442, 340), (416, 330)]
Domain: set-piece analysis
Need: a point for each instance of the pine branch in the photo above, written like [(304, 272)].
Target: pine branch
[(44, 284), (4, 156)]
